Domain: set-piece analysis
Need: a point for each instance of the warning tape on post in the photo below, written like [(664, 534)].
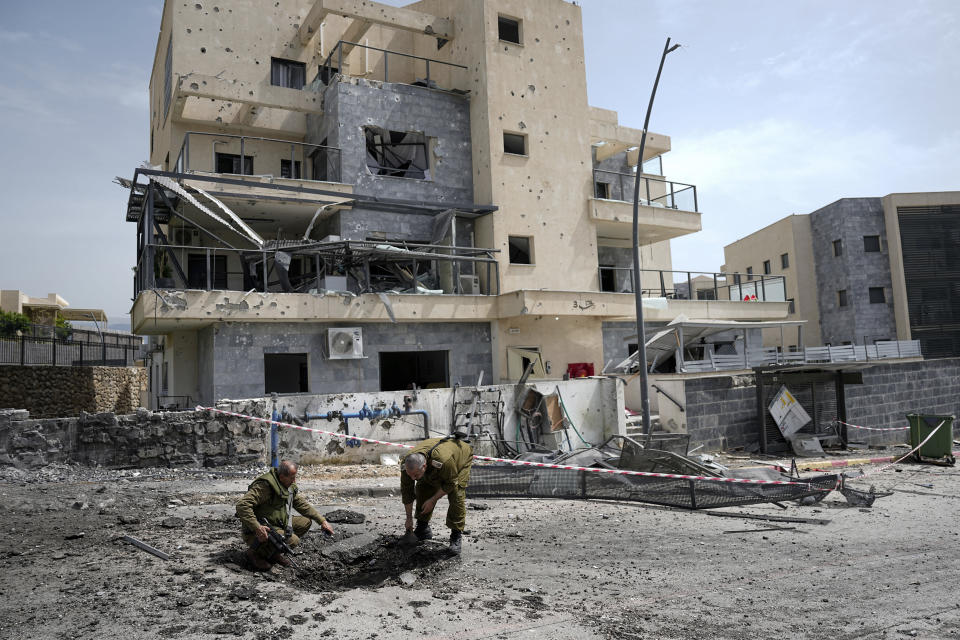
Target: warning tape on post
[(524, 463)]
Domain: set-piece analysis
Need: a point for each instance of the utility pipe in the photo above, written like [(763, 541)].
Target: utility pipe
[(366, 413)]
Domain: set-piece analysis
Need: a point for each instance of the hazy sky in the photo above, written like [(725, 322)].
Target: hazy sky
[(773, 108)]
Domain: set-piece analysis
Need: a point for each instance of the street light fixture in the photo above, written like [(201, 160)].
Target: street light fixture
[(637, 289)]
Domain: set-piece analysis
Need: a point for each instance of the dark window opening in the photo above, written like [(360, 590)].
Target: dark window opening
[(842, 297), (706, 294), (877, 295), (608, 277), (766, 267), (197, 271), (515, 143), (871, 244), (230, 163), (792, 308), (749, 273), (601, 190), (287, 73), (326, 73), (399, 154), (784, 261), (508, 29), (285, 169), (736, 279), (285, 373), (400, 370), (520, 250), (320, 158), (838, 247)]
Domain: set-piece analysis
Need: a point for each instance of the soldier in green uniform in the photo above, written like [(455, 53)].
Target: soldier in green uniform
[(435, 468), (272, 496)]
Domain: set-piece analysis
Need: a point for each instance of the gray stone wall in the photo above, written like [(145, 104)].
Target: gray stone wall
[(444, 118), (67, 391), (849, 220), (239, 349), (721, 411), (142, 439)]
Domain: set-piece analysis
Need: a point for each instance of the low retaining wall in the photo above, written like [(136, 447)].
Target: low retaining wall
[(721, 412), (49, 391), (141, 439)]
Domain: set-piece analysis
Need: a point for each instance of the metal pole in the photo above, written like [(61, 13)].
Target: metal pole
[(638, 296)]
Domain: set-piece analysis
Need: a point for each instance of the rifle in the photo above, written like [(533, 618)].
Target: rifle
[(277, 541)]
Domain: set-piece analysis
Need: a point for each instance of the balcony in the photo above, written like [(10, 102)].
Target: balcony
[(254, 156), (677, 285), (363, 61), (667, 209)]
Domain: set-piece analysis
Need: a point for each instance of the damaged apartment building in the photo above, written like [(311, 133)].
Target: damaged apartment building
[(347, 196)]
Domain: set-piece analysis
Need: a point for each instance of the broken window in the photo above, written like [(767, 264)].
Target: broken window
[(197, 271), (399, 154), (285, 373), (521, 250), (508, 29), (515, 143), (230, 163), (400, 370), (871, 244), (601, 190), (608, 277), (285, 169), (287, 73), (877, 296), (519, 358)]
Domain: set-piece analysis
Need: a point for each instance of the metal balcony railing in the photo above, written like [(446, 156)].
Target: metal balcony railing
[(677, 285), (28, 350), (654, 192), (250, 155), (333, 66)]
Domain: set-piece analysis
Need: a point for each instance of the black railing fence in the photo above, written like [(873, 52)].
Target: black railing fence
[(30, 350)]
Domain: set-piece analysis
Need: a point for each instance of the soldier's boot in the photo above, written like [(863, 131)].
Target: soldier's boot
[(422, 531), (259, 563), (282, 560), (455, 540)]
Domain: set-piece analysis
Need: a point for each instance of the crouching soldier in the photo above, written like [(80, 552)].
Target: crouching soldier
[(435, 468), (272, 497)]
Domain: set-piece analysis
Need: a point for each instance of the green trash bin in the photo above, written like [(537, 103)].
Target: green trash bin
[(939, 448)]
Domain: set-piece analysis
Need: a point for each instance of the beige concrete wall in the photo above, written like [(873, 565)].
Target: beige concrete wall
[(561, 340), (790, 235)]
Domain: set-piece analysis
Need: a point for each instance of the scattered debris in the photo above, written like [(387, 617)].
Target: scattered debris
[(145, 547), (173, 522), (407, 578), (755, 516), (73, 536), (343, 516)]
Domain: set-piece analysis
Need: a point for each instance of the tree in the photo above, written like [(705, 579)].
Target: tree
[(11, 323)]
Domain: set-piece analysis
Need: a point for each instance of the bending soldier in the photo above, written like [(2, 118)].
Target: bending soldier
[(273, 496), (435, 468)]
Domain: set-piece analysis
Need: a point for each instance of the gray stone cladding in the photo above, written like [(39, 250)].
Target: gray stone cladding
[(48, 391), (442, 117), (239, 348), (855, 271), (722, 411)]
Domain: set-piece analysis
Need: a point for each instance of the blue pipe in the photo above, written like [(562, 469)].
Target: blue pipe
[(366, 413)]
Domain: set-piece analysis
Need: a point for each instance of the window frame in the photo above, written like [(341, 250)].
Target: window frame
[(501, 19), (282, 73), (843, 299), (868, 248), (784, 260), (883, 295), (838, 247), (530, 248), (766, 268), (523, 139), (749, 274)]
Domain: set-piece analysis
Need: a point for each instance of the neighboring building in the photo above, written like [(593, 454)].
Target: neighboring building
[(868, 269), (357, 197)]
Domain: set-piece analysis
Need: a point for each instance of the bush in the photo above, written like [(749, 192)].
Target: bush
[(64, 329), (12, 322)]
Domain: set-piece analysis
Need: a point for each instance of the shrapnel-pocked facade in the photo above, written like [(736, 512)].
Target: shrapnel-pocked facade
[(348, 196)]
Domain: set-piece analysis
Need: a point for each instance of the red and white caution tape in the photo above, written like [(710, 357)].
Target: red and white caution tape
[(856, 426), (908, 454), (525, 463)]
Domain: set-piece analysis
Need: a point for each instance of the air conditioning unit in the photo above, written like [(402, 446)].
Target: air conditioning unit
[(344, 343), (470, 285)]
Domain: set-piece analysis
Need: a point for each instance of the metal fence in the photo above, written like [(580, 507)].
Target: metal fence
[(654, 192), (29, 350), (677, 285), (407, 67), (87, 336)]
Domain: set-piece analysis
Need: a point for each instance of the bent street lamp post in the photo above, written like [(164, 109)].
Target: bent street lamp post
[(637, 289)]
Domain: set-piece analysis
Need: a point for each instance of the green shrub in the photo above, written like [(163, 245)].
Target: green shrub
[(11, 322), (64, 329)]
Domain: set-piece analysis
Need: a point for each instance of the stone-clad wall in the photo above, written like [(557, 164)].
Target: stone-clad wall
[(721, 412), (48, 391), (141, 439)]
